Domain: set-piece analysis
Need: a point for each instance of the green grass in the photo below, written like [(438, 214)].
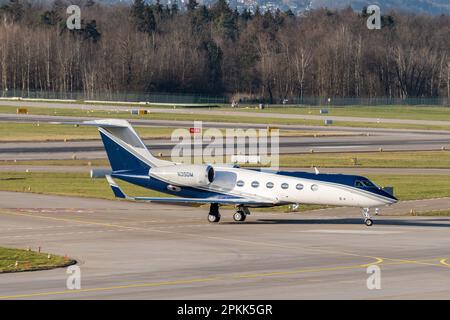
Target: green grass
[(415, 187), (77, 184), (419, 112), (416, 159), (52, 132), (69, 184), (386, 111), (435, 213), (406, 187), (133, 104), (29, 260), (59, 162), (219, 118), (412, 112), (59, 132)]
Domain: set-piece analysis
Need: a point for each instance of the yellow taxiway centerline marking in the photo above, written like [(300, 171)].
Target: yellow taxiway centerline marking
[(201, 280), (69, 220), (137, 285), (297, 271), (180, 282), (154, 284), (394, 261), (188, 234)]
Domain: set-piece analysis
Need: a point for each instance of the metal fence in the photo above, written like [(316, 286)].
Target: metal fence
[(202, 99), (157, 97), (355, 101)]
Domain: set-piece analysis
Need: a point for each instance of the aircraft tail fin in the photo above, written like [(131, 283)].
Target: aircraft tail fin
[(125, 149)]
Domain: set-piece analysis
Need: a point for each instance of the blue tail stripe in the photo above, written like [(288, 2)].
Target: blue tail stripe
[(117, 192), (121, 159)]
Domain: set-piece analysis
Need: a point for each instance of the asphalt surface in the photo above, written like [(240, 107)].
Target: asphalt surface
[(147, 251), (92, 149), (8, 117), (360, 139), (106, 107)]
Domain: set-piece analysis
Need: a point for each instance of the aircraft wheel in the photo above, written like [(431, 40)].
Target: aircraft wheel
[(239, 216), (214, 218), (368, 222)]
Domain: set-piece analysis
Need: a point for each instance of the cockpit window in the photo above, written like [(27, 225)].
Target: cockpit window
[(364, 184), (368, 184), (359, 184)]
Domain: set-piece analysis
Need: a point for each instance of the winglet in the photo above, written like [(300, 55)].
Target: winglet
[(115, 188), (316, 170)]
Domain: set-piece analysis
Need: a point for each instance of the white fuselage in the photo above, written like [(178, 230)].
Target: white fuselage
[(285, 189)]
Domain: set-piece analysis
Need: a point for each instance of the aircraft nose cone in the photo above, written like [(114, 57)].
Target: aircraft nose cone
[(386, 197), (392, 199)]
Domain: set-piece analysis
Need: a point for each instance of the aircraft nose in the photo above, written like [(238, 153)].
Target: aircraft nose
[(394, 200), (391, 197)]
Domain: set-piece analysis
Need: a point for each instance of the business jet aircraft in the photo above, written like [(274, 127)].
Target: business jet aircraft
[(218, 185)]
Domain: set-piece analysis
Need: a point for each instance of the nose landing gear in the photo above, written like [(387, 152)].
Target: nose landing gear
[(367, 218), (241, 214)]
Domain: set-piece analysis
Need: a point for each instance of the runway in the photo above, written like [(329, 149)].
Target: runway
[(243, 113), (8, 117), (132, 250), (93, 149)]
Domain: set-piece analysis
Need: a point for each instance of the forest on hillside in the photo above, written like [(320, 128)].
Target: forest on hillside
[(217, 50)]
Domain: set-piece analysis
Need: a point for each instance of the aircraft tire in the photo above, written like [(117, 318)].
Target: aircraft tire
[(239, 216), (213, 218)]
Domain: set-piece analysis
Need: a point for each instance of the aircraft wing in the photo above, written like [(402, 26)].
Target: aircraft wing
[(217, 199), (204, 200)]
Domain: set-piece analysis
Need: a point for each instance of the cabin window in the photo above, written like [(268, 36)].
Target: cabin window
[(255, 184), (240, 183), (269, 185), (299, 186), (314, 187), (284, 186)]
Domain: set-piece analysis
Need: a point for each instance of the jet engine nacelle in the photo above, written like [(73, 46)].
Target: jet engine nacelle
[(184, 175)]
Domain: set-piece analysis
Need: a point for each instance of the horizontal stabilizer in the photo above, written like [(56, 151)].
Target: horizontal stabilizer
[(104, 123)]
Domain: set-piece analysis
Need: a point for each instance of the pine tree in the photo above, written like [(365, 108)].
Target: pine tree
[(224, 20), (149, 22), (14, 9), (137, 11), (50, 17), (192, 5)]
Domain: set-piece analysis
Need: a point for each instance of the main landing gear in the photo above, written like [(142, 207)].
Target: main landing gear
[(239, 216), (367, 218), (214, 215)]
